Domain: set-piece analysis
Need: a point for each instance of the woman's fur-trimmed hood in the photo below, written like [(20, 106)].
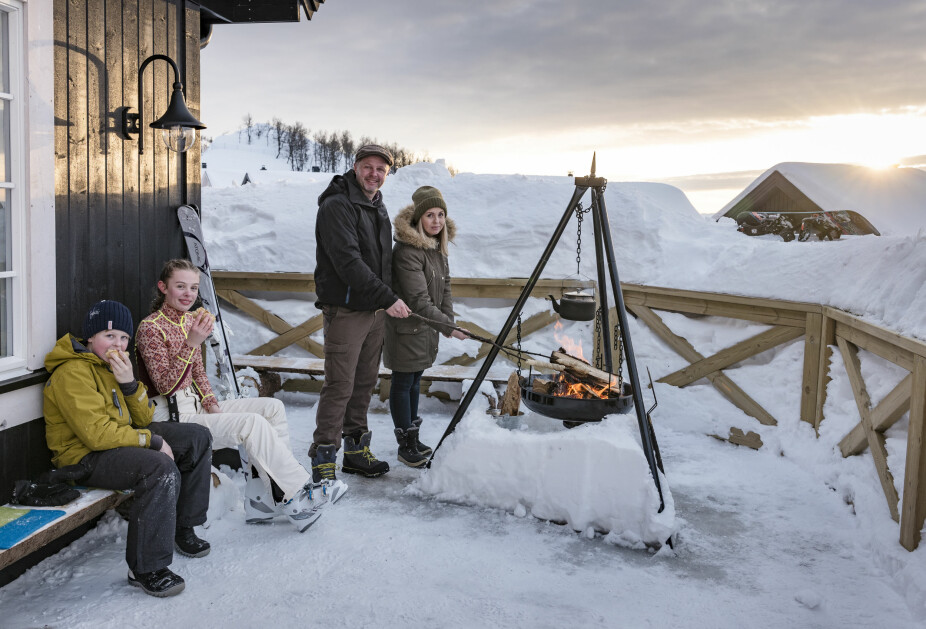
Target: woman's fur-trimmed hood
[(408, 234)]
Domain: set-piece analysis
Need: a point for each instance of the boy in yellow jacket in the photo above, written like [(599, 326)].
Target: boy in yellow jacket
[(98, 416)]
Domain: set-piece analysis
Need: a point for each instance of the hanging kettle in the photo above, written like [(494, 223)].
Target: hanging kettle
[(575, 306)]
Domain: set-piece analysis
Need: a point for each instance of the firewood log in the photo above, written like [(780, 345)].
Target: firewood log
[(511, 400), (542, 385), (585, 372)]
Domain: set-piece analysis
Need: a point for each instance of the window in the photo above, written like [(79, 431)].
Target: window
[(12, 187)]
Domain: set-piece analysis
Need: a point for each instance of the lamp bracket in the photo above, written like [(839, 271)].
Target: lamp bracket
[(131, 124)]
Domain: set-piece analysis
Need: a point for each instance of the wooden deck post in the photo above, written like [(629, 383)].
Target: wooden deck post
[(825, 352), (813, 337), (914, 488)]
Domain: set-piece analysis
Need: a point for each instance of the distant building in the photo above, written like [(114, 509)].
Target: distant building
[(893, 200)]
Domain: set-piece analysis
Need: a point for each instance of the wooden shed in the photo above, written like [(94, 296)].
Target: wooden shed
[(893, 200), (84, 215)]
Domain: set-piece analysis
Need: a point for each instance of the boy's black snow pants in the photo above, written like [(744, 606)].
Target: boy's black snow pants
[(167, 493)]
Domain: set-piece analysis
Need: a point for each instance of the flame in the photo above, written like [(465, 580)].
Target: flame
[(579, 390), (570, 346)]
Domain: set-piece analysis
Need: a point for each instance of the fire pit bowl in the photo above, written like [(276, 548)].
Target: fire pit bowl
[(574, 410)]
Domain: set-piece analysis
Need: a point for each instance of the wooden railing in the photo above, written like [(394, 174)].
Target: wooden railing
[(821, 327), (229, 285)]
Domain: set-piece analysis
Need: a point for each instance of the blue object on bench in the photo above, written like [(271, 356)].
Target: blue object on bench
[(22, 527)]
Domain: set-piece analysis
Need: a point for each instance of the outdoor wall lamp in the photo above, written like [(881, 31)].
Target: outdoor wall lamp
[(178, 126)]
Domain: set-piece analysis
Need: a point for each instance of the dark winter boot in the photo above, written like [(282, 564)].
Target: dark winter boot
[(359, 460), (323, 463), (324, 480), (187, 543), (158, 583), (408, 453), (422, 449)]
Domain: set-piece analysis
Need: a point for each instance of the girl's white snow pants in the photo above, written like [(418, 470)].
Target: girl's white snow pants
[(258, 423)]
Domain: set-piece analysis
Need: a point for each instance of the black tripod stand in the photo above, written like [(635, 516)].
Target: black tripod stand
[(603, 246)]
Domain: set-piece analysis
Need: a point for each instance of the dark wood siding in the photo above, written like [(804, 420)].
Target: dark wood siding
[(115, 219), (115, 209)]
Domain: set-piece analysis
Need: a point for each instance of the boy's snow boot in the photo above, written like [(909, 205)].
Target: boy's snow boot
[(258, 504), (358, 459), (301, 510), (408, 454), (422, 449), (187, 543), (158, 583), (323, 477)]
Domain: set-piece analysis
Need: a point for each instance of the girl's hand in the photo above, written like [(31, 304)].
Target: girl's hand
[(460, 334), (121, 365), (202, 328), (165, 448)]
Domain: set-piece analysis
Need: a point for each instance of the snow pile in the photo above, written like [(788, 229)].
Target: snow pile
[(591, 477)]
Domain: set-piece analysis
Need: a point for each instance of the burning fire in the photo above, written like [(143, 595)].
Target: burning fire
[(579, 389), (569, 346), (571, 384)]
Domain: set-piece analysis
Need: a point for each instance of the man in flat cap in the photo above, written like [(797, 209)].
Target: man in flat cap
[(353, 282)]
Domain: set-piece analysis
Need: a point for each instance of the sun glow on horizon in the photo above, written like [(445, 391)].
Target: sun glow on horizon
[(877, 140)]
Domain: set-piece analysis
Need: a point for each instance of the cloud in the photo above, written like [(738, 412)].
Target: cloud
[(427, 73)]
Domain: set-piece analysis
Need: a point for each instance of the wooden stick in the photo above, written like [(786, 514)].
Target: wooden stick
[(585, 371)]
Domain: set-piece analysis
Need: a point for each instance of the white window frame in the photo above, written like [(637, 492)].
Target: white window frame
[(32, 177), (15, 100)]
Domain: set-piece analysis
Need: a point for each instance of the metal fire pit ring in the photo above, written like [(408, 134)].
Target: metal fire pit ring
[(574, 410)]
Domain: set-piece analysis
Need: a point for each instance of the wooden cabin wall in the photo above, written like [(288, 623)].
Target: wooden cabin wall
[(115, 210), (115, 218)]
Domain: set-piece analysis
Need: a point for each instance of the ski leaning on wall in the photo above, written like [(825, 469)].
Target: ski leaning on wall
[(223, 379)]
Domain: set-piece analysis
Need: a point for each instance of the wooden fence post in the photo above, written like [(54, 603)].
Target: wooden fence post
[(913, 513), (825, 353), (813, 337)]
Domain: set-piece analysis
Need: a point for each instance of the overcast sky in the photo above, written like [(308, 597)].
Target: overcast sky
[(666, 88)]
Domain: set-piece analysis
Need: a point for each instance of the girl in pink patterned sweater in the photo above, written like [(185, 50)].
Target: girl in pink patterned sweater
[(169, 344)]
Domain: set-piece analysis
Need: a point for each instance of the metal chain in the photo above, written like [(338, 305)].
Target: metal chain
[(598, 347), (519, 345), (579, 216), (619, 348)]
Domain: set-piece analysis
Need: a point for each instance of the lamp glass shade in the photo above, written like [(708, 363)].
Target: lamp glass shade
[(177, 138)]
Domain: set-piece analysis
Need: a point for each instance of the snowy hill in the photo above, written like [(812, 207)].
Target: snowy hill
[(505, 221)]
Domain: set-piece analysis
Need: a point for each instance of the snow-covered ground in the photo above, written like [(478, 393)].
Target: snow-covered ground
[(790, 535)]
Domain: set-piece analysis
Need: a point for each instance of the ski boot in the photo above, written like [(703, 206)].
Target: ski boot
[(301, 510), (258, 504)]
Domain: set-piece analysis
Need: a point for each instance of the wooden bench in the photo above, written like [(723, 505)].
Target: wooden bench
[(90, 504), (315, 367)]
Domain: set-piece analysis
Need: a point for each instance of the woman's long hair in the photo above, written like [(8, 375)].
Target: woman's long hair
[(441, 237), (177, 264)]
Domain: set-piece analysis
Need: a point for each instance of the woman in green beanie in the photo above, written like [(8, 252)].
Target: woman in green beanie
[(421, 278)]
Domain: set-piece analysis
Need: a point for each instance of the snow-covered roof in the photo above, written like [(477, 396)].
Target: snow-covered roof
[(894, 199)]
